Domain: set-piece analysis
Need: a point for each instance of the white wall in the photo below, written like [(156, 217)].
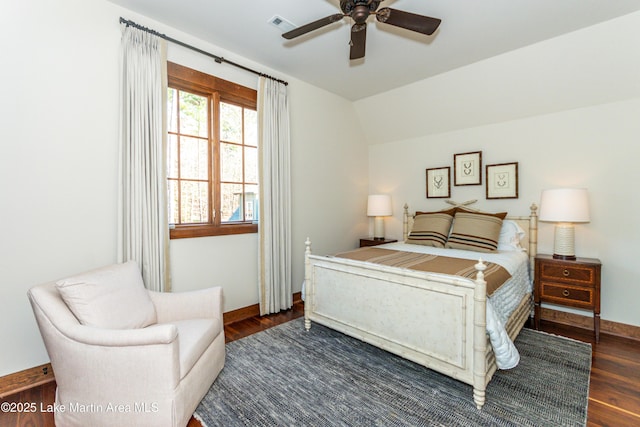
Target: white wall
[(58, 169), (58, 162), (330, 170), (524, 106)]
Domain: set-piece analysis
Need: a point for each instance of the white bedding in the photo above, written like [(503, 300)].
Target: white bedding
[(502, 303)]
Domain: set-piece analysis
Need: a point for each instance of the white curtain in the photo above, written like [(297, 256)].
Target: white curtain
[(275, 198), (143, 233)]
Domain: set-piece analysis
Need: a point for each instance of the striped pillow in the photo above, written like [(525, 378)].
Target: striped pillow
[(431, 228), (475, 231)]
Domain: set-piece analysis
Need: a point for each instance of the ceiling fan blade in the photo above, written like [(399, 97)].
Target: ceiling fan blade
[(410, 21), (358, 41), (304, 29)]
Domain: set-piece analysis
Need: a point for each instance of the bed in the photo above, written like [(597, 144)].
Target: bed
[(434, 319)]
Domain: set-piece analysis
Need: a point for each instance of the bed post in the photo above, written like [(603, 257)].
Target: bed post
[(480, 336), (405, 223), (309, 291)]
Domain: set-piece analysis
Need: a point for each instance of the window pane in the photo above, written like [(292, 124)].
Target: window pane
[(194, 156), (230, 123), (195, 202), (251, 164), (172, 156), (231, 162), (250, 127), (231, 203), (173, 201), (251, 202), (172, 110), (193, 114)]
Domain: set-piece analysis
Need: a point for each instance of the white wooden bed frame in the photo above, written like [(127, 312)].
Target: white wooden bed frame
[(434, 320)]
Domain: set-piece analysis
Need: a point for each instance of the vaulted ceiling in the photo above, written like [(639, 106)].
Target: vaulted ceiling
[(471, 30)]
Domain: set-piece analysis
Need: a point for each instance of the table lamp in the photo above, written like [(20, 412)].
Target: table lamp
[(565, 207), (379, 206)]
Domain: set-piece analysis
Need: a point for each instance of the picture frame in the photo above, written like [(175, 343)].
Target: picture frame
[(502, 181), (439, 182), (467, 168)]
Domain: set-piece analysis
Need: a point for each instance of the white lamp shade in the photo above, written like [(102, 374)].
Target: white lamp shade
[(564, 205), (379, 205)]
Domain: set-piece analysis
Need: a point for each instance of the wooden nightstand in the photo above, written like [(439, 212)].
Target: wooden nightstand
[(370, 241), (569, 283)]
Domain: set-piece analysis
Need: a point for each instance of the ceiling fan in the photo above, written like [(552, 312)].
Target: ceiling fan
[(359, 11)]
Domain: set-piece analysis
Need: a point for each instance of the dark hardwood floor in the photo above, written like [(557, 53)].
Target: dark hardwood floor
[(614, 392)]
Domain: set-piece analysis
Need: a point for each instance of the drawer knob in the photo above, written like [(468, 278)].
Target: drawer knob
[(565, 293), (566, 272)]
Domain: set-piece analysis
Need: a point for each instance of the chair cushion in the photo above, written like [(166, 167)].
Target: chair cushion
[(194, 337), (112, 297)]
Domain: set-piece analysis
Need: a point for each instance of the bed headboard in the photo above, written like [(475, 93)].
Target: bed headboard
[(528, 223)]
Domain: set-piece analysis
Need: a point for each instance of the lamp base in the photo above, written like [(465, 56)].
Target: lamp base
[(565, 257), (378, 228), (564, 242)]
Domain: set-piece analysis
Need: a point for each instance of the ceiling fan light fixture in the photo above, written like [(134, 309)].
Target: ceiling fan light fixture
[(360, 14)]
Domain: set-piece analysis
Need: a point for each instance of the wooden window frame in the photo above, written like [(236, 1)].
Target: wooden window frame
[(219, 90)]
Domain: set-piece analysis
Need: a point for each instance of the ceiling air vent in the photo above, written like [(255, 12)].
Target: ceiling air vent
[(281, 23)]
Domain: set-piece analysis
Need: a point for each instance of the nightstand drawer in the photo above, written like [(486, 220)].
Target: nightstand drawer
[(563, 294), (574, 274)]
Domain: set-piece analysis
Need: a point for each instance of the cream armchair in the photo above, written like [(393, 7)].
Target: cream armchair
[(126, 356)]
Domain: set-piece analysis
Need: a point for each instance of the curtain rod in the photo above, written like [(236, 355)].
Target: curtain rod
[(218, 59)]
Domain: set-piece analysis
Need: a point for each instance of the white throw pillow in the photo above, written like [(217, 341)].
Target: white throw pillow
[(510, 235), (112, 297)]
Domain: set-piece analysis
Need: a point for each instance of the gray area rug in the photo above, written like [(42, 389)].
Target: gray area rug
[(286, 376)]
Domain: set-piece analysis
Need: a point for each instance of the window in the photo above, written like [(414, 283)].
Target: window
[(212, 155)]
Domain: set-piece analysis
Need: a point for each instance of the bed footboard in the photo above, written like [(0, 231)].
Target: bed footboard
[(436, 321)]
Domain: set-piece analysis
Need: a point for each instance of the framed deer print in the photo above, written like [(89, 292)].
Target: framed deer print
[(502, 181), (467, 168), (438, 183)]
